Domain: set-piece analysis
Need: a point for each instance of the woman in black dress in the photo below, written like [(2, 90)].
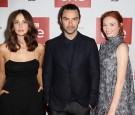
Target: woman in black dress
[(21, 58)]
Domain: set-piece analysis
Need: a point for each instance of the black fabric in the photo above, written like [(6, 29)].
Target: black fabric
[(70, 46), (73, 108), (81, 77), (21, 82)]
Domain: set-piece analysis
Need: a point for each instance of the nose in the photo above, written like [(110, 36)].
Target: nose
[(70, 22), (20, 24), (107, 27)]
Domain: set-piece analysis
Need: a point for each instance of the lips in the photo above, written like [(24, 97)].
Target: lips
[(20, 30)]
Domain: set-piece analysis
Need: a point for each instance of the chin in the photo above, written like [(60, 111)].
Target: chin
[(109, 36), (21, 35)]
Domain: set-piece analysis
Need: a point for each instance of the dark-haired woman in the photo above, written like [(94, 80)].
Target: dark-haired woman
[(21, 59)]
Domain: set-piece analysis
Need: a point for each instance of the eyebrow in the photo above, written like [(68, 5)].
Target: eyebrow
[(72, 18), (18, 20), (111, 23)]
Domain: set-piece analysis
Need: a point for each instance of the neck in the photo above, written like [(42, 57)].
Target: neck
[(22, 42), (70, 36)]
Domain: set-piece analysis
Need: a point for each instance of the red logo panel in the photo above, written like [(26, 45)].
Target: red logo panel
[(3, 3), (42, 24), (127, 26), (79, 3)]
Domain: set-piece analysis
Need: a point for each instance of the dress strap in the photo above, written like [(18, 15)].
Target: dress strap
[(35, 54), (9, 55)]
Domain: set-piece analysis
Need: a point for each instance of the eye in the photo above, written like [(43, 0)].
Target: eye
[(104, 24), (75, 19), (65, 18), (112, 24), (24, 21), (16, 22)]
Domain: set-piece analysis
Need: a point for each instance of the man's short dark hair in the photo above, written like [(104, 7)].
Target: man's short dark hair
[(67, 7)]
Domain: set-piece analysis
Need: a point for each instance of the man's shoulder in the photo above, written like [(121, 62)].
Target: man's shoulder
[(86, 38), (53, 40)]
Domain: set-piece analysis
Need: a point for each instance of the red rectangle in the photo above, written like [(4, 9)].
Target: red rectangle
[(3, 3), (79, 3), (42, 24), (127, 27)]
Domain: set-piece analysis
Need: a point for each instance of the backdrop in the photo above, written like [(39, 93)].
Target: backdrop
[(45, 12)]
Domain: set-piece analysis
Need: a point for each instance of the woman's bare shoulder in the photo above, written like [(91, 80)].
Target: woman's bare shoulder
[(3, 48), (123, 47), (4, 51), (41, 47)]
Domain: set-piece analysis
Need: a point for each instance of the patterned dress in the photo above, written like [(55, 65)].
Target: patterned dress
[(108, 78)]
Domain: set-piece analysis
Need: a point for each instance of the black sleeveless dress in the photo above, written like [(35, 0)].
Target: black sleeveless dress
[(21, 82)]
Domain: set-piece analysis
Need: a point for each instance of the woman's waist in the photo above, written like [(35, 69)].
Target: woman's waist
[(21, 82)]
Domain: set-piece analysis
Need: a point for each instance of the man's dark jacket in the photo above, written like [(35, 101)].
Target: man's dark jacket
[(82, 76)]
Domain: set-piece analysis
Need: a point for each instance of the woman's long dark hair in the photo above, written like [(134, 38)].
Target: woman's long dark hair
[(11, 39)]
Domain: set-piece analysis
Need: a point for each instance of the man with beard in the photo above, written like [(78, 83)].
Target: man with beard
[(71, 68)]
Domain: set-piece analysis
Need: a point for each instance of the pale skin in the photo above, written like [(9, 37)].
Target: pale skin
[(111, 28), (70, 21), (22, 55)]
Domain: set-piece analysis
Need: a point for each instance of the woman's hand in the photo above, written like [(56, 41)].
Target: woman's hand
[(3, 91), (40, 88), (90, 106)]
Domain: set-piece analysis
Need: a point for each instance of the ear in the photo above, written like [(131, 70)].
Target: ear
[(79, 22), (60, 20)]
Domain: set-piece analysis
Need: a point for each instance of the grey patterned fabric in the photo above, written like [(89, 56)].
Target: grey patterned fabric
[(108, 77)]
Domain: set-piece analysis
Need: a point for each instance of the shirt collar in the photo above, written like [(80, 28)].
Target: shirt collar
[(66, 40)]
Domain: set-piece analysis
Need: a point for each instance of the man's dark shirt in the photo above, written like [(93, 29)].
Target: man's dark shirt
[(70, 46)]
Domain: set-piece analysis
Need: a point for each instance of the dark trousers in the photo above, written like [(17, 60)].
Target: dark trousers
[(73, 108)]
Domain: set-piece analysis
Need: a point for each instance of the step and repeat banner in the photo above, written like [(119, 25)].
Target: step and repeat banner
[(44, 13)]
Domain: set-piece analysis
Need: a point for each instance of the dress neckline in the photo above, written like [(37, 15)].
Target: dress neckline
[(22, 62), (115, 39)]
